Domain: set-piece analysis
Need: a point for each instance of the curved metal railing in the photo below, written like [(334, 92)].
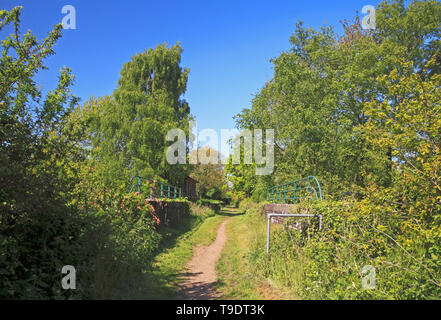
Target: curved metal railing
[(289, 192)]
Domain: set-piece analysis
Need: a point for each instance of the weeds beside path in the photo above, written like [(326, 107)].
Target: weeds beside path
[(168, 268), (211, 262), (200, 275), (236, 279)]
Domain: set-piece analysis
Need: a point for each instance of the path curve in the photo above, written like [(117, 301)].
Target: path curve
[(200, 275)]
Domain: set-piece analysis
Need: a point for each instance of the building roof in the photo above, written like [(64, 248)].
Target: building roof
[(190, 178)]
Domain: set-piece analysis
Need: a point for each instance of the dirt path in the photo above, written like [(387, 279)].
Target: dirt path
[(201, 270)]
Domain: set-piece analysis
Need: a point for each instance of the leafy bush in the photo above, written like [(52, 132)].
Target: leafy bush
[(39, 231), (328, 264), (215, 205), (120, 245), (201, 210)]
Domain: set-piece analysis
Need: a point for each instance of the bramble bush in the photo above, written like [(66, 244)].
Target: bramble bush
[(121, 246)]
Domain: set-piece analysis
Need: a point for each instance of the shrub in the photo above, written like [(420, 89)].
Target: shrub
[(200, 210), (216, 205), (328, 264)]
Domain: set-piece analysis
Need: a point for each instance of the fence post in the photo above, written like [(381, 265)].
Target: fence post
[(284, 215), (295, 192), (162, 190), (277, 194), (284, 194), (268, 233)]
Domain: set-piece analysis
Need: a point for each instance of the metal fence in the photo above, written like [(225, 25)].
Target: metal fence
[(154, 189), (283, 215), (291, 192)]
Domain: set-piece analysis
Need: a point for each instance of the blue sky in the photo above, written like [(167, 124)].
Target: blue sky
[(227, 44)]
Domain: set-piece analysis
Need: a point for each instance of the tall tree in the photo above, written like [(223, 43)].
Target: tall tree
[(317, 94), (131, 125), (210, 176)]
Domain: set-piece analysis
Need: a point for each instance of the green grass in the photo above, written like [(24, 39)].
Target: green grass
[(242, 268), (242, 257), (164, 276), (234, 279)]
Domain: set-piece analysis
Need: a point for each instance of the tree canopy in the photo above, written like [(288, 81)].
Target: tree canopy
[(128, 129), (210, 176), (320, 86)]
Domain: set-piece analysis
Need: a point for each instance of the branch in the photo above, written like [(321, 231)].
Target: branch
[(407, 252)]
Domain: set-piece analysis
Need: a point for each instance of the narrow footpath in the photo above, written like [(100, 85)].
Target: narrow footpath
[(200, 275)]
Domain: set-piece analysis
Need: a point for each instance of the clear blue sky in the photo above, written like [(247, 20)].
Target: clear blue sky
[(227, 44)]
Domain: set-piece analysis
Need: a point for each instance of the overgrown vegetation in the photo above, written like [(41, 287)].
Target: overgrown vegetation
[(321, 91), (328, 264), (209, 174), (165, 273), (64, 170), (362, 113)]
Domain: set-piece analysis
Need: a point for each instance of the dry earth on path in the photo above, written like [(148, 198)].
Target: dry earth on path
[(200, 277)]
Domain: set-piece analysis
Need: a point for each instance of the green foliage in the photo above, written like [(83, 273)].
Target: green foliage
[(361, 112), (39, 232), (210, 177), (319, 88), (241, 177), (328, 264), (63, 191), (260, 190), (213, 204), (128, 129), (394, 228)]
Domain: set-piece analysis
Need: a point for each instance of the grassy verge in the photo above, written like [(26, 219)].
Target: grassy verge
[(177, 250), (325, 264), (241, 259)]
